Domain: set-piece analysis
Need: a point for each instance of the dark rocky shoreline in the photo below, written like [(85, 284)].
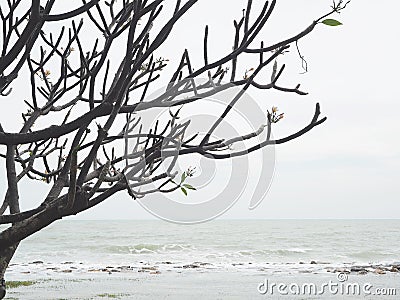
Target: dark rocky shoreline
[(37, 267)]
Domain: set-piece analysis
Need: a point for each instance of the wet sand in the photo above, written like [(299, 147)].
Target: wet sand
[(194, 283)]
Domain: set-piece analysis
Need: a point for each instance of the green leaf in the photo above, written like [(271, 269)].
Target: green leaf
[(183, 177), (189, 187), (331, 22), (184, 191)]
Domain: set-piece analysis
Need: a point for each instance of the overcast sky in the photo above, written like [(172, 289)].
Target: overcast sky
[(346, 168)]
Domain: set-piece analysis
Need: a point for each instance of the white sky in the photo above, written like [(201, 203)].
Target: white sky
[(346, 168)]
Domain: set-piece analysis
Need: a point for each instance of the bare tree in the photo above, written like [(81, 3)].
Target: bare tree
[(83, 166)]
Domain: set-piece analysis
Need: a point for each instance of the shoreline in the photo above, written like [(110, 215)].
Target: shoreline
[(41, 268)]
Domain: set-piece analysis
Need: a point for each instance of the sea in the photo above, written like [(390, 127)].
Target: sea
[(276, 246)]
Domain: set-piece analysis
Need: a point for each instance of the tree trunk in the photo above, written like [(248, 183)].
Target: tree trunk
[(5, 258), (12, 198)]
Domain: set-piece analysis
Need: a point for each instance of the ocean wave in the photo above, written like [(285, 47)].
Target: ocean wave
[(261, 254), (148, 248), (281, 252), (373, 253)]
